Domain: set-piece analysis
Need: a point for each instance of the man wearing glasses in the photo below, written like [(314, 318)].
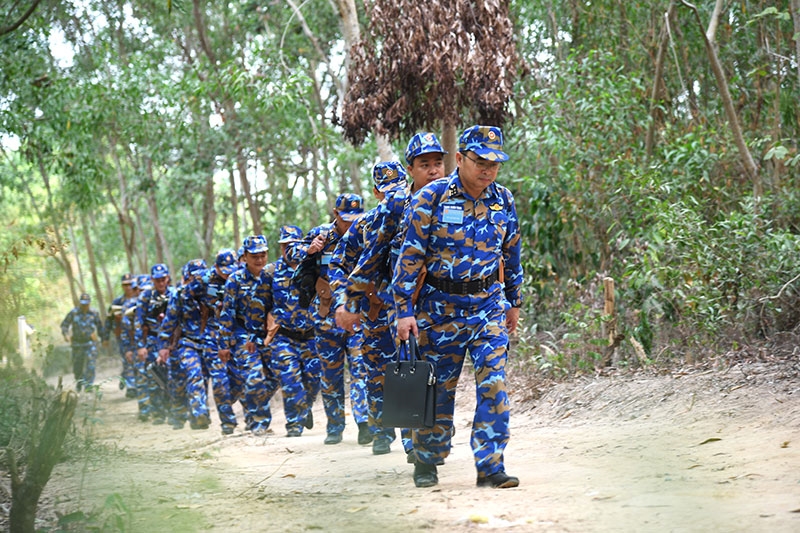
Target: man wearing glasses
[(463, 236)]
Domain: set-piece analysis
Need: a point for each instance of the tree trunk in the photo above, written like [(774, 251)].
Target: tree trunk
[(449, 143), (87, 242), (252, 205), (127, 229), (73, 245), (796, 19), (209, 215), (26, 493), (162, 248), (237, 234), (110, 288), (722, 85), (655, 92)]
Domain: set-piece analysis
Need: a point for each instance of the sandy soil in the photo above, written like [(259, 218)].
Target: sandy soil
[(702, 449)]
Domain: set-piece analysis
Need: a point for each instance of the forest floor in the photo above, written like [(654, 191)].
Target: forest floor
[(706, 448)]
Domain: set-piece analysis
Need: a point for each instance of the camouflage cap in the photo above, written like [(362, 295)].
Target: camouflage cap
[(290, 234), (485, 141), (226, 261), (423, 143), (349, 206), (143, 282), (255, 244), (85, 298), (159, 271), (388, 175), (240, 252), (127, 279), (193, 266)]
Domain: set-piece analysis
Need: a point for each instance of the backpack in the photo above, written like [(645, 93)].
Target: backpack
[(305, 277)]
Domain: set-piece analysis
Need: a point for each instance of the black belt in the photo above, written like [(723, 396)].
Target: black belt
[(296, 335), (462, 287)]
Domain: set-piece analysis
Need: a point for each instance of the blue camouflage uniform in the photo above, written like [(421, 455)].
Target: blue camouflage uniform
[(293, 352), (114, 325), (128, 336), (150, 310), (243, 320), (182, 335), (373, 272), (334, 345), (378, 345), (471, 250), (86, 327), (208, 289)]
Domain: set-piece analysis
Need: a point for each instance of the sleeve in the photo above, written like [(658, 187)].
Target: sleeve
[(227, 315), (413, 250), (345, 255), (512, 262), (172, 320), (297, 252), (67, 323), (139, 320)]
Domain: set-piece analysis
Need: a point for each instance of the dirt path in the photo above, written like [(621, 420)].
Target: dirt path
[(702, 451)]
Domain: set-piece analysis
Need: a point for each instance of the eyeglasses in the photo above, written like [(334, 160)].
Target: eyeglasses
[(482, 164)]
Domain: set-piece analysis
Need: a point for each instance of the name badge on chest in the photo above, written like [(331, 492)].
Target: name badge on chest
[(452, 214), (326, 258)]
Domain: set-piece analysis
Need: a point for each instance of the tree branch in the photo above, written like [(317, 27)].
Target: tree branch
[(21, 20)]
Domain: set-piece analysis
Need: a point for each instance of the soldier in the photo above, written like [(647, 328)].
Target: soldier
[(150, 310), (181, 349), (378, 346), (114, 324), (208, 290), (293, 354), (127, 338), (82, 328), (243, 324), (334, 345), (425, 164), (463, 237)]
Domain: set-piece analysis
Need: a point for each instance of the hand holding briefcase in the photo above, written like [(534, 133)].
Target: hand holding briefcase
[(409, 389)]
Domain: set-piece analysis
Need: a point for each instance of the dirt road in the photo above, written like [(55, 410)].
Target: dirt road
[(695, 451)]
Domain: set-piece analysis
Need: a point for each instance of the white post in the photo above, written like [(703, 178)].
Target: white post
[(24, 330)]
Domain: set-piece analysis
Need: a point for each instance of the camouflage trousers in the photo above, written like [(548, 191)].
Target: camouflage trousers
[(256, 383), (187, 384), (296, 364), (219, 373), (84, 360), (151, 398), (445, 340), (377, 350), (333, 349)]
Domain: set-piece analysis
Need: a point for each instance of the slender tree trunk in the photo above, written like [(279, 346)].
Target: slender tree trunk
[(110, 286), (655, 92), (252, 205), (76, 254), (51, 215), (87, 242), (162, 248), (796, 20), (127, 229), (237, 234), (209, 215), (449, 143), (141, 250), (722, 85)]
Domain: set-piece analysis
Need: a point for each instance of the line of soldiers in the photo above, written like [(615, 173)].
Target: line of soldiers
[(439, 258)]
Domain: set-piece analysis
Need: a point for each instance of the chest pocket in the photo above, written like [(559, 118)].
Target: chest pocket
[(498, 226)]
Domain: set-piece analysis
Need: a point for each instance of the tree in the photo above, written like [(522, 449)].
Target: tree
[(427, 65)]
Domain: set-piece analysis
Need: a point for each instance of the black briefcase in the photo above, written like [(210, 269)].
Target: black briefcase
[(409, 389)]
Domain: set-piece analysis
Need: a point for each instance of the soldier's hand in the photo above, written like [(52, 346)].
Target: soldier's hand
[(405, 326), (129, 356), (163, 355), (250, 346), (224, 355), (142, 353), (316, 245), (512, 319), (347, 320)]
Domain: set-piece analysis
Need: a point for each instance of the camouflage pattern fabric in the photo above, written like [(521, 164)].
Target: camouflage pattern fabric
[(83, 325)]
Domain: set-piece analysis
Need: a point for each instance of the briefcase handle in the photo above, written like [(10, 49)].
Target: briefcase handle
[(411, 349)]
